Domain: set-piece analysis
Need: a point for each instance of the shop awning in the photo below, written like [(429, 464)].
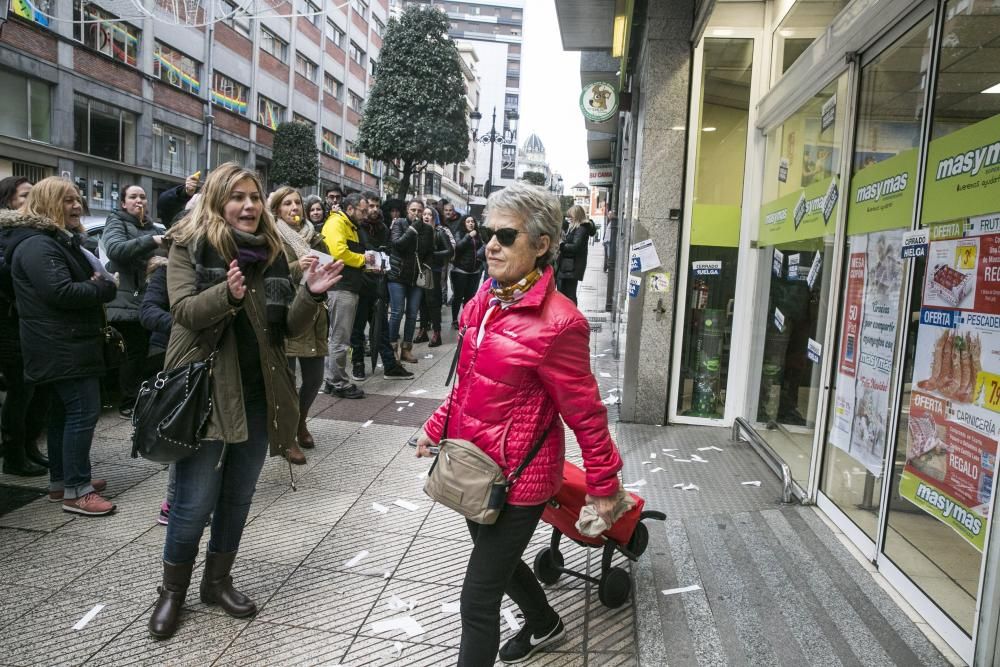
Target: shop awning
[(586, 25)]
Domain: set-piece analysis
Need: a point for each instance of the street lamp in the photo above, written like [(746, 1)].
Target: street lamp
[(493, 137)]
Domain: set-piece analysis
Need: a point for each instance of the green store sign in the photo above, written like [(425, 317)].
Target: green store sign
[(882, 195), (800, 215), (963, 173), (933, 499)]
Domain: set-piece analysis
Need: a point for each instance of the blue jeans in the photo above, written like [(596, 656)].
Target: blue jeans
[(403, 297), (73, 415), (219, 484)]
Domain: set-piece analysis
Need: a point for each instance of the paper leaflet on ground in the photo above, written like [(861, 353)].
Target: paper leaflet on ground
[(954, 418), (867, 344), (685, 589), (405, 624)]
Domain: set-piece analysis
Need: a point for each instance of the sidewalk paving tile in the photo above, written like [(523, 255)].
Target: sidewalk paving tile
[(264, 644)]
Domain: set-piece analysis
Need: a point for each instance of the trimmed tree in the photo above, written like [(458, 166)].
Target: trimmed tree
[(295, 156), (533, 177), (415, 114)]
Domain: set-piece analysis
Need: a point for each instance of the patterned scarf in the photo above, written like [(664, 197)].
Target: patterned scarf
[(252, 256), (299, 240), (505, 296)]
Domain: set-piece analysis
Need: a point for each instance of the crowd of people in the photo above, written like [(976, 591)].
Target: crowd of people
[(290, 295)]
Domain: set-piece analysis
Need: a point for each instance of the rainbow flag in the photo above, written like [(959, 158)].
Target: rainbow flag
[(26, 10)]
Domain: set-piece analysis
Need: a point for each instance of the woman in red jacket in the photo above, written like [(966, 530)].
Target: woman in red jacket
[(524, 364)]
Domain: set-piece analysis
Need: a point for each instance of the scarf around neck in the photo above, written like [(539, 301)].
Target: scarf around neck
[(299, 240), (505, 296)]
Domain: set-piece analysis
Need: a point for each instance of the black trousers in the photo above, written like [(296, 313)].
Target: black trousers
[(430, 305), (25, 407), (134, 370), (463, 288), (568, 287), (495, 567)]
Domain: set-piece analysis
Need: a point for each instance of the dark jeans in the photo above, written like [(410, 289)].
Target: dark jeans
[(495, 567), (463, 288), (430, 305), (312, 380), (25, 407), (568, 287), (73, 415), (133, 369), (366, 310), (403, 298), (218, 481)]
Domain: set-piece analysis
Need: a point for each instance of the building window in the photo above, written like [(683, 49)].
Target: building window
[(269, 112), (361, 7), (235, 17), (297, 118), (357, 55), (103, 130), (310, 12), (331, 143), (271, 43), (510, 102), (377, 26), (306, 67), (334, 34), (355, 101), (27, 108), (351, 154), (177, 69), (105, 32), (372, 66), (230, 95), (508, 162), (332, 87), (174, 152), (224, 153), (432, 184), (37, 11)]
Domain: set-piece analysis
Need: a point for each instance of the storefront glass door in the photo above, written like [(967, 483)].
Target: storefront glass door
[(880, 208), (796, 234), (946, 444), (715, 226)]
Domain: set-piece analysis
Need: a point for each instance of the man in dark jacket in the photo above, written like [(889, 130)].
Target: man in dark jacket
[(170, 204), (374, 237)]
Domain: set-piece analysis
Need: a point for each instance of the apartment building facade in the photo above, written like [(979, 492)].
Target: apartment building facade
[(108, 96)]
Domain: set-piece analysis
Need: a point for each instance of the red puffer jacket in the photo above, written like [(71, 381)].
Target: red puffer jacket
[(532, 366)]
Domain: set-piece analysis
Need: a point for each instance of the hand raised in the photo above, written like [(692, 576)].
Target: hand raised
[(235, 282), (323, 276)]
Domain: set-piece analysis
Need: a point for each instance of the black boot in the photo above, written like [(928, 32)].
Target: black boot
[(217, 586), (33, 454), (164, 620), (16, 463)]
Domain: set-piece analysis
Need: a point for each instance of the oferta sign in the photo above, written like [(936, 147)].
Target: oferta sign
[(882, 195), (800, 215), (599, 101), (963, 173)]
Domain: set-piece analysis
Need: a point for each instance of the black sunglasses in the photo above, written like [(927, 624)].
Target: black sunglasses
[(506, 236)]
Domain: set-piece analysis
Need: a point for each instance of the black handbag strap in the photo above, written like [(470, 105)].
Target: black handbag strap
[(537, 447)]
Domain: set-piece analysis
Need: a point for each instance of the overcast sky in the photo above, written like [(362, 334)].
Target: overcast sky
[(550, 93)]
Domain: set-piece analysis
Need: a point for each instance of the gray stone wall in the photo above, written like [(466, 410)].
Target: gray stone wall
[(663, 84)]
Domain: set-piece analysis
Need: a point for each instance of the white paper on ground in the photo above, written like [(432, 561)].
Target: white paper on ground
[(610, 400), (686, 589), (367, 424), (679, 485), (612, 390), (397, 649), (695, 457), (357, 559), (511, 621), (607, 350), (691, 487), (451, 607), (380, 508), (605, 375), (410, 405), (647, 463), (401, 402), (417, 392), (406, 504), (705, 449), (677, 460), (396, 604), (656, 469), (399, 409), (386, 574), (756, 482), (405, 624), (639, 482), (652, 455), (88, 617), (673, 456), (428, 356)]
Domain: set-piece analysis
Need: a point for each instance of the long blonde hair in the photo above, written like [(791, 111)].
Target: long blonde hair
[(576, 216), (206, 221), (46, 199)]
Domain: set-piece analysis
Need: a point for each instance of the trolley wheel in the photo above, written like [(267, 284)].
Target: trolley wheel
[(639, 541), (614, 589), (547, 563)]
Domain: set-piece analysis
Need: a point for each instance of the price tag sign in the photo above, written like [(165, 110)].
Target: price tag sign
[(988, 390)]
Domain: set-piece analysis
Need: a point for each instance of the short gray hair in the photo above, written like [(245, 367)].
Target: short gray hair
[(535, 206)]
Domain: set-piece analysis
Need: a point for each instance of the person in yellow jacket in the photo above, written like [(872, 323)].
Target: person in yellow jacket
[(340, 232)]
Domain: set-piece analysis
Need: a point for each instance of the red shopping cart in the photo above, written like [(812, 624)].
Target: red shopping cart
[(628, 536)]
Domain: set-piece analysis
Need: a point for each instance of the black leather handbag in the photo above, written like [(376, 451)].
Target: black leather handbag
[(172, 411)]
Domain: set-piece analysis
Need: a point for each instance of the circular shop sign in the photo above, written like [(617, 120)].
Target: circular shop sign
[(599, 101)]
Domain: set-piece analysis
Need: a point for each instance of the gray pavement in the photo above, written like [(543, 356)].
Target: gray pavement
[(776, 585)]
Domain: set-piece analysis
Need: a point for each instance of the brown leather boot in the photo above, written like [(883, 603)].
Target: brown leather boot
[(406, 353), (305, 437), (217, 586), (295, 455), (435, 339), (421, 336), (166, 613)]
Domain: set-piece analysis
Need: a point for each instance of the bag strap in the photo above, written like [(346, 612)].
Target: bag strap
[(537, 447)]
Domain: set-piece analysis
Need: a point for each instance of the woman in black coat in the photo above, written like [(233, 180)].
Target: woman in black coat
[(130, 239), (60, 301), (572, 261), (430, 305), (409, 239), (467, 268)]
